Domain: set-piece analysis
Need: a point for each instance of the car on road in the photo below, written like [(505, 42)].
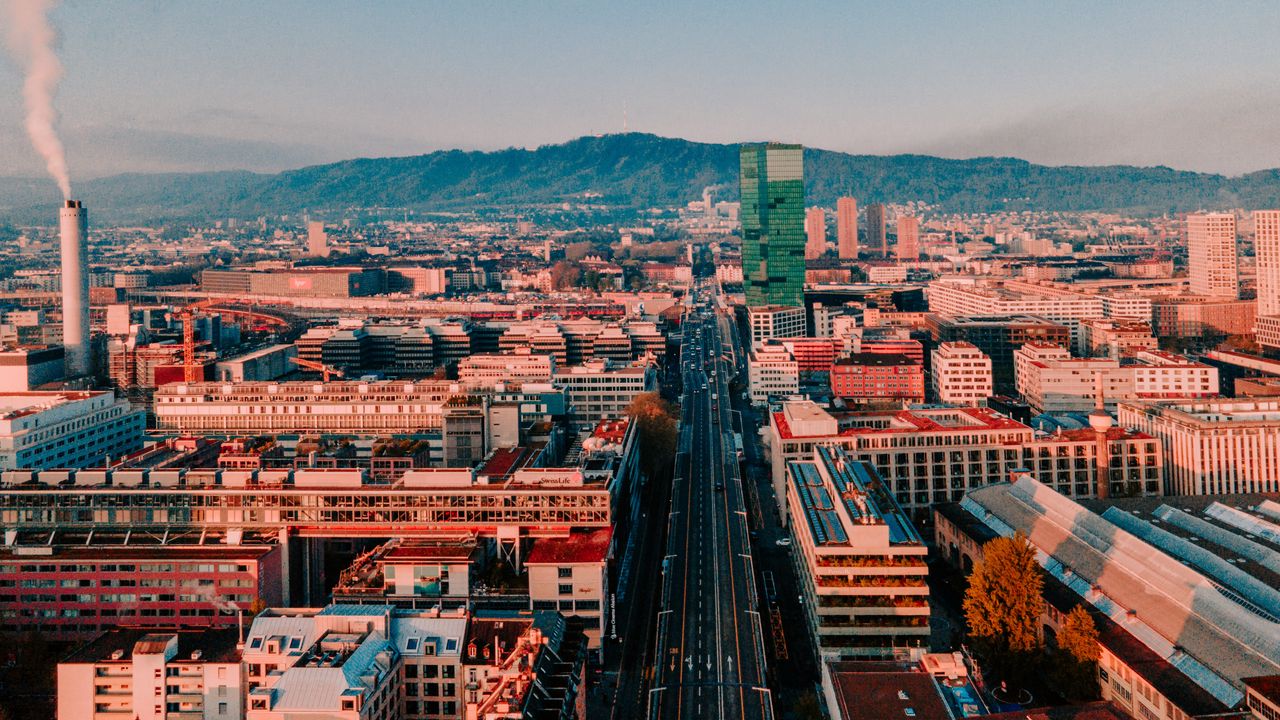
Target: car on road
[(719, 486), (783, 542)]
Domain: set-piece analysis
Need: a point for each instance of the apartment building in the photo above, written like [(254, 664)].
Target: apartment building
[(961, 374), (1117, 339), (1212, 255), (338, 663), (153, 675), (860, 561)]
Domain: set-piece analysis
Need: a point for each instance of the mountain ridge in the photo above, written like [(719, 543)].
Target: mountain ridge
[(633, 171)]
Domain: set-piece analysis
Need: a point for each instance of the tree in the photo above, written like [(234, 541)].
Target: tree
[(1003, 605), (565, 275), (1077, 668), (655, 421)]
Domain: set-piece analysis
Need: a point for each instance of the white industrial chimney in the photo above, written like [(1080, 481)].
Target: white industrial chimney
[(74, 221)]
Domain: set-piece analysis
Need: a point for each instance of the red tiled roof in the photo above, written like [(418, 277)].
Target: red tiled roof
[(579, 547)]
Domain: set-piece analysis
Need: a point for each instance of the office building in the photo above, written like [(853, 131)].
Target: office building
[(154, 675), (860, 562), (1213, 446), (1211, 255), (1051, 381), (340, 407), (935, 455), (847, 228), (142, 585), (772, 215), (815, 232), (877, 230), (599, 390), (961, 374), (772, 371), (954, 298), (518, 366), (313, 282), (772, 322), (72, 429), (908, 249)]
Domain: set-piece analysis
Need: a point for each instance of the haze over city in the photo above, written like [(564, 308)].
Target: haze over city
[(603, 361), (157, 86)]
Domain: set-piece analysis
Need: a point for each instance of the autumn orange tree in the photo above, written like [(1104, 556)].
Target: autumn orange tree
[(656, 421), (1076, 662), (1003, 606)]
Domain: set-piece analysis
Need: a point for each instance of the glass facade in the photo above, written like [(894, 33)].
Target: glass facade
[(773, 237)]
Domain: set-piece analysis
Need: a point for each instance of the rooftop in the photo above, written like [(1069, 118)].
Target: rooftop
[(878, 691), (212, 645), (578, 547), (20, 404), (904, 421)]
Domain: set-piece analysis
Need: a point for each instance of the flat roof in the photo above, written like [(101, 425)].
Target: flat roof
[(878, 691), (578, 547), (215, 645)]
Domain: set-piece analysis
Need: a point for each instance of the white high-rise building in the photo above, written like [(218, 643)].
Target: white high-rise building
[(1211, 255), (1266, 248), (961, 374)]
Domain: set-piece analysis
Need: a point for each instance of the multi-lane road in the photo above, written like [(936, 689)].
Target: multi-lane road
[(708, 658)]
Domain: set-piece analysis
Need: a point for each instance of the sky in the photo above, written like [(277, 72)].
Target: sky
[(181, 85)]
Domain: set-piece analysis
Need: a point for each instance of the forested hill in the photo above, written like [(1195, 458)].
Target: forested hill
[(639, 170)]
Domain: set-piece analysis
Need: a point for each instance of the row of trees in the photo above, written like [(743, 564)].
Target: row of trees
[(1003, 605)]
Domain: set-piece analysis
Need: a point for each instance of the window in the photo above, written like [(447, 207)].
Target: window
[(566, 589), (564, 573)]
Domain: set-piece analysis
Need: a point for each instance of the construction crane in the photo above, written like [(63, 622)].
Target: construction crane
[(325, 370), (191, 370)]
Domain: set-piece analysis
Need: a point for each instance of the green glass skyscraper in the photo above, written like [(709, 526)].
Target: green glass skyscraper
[(772, 214)]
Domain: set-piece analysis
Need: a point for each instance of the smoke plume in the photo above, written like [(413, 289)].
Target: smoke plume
[(31, 41)]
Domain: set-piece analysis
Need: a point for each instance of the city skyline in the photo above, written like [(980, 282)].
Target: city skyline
[(1099, 85)]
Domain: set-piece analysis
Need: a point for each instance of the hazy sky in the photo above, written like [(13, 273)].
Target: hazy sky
[(268, 84)]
